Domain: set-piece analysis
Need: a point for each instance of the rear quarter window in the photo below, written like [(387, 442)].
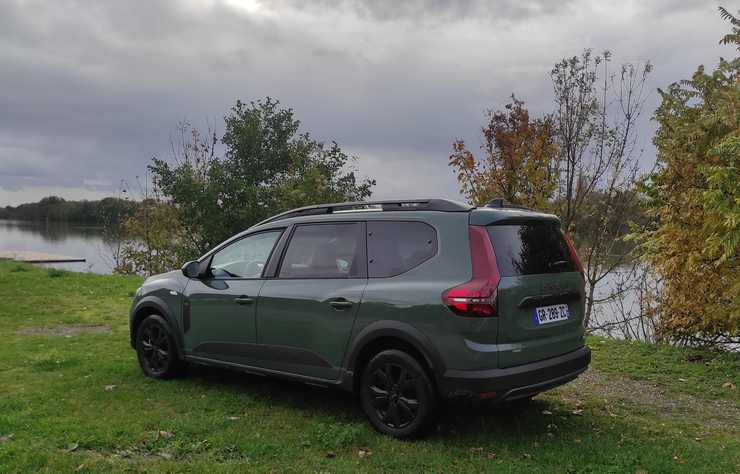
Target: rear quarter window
[(530, 249), (397, 247)]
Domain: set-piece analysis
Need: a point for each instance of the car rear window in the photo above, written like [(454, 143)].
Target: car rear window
[(397, 247), (530, 249)]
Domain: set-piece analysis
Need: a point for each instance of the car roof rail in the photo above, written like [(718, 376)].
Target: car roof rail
[(502, 203), (444, 205)]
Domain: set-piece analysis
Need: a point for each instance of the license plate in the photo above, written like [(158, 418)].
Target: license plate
[(550, 314)]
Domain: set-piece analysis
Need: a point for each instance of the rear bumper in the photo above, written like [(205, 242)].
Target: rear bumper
[(515, 382)]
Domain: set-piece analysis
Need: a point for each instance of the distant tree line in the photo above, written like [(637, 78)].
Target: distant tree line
[(57, 209)]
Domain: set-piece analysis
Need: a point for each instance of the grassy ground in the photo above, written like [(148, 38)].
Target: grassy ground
[(72, 398)]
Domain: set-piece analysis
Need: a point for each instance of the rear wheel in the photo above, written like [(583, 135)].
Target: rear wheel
[(156, 349), (397, 395)]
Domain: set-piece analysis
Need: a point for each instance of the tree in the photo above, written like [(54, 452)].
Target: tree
[(694, 195), (595, 125), (734, 36), (721, 199), (518, 160), (268, 166), (150, 240)]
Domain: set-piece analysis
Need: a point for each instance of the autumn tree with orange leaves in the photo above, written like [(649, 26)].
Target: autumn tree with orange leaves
[(580, 162), (517, 159)]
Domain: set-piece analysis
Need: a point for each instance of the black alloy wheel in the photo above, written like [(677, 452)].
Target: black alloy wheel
[(397, 394), (156, 348)]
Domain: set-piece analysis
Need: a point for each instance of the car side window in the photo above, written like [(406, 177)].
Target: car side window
[(397, 247), (245, 258), (326, 251)]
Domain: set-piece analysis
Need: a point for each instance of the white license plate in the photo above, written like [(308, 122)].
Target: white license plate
[(550, 314)]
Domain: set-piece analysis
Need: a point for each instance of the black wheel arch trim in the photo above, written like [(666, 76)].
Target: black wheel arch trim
[(160, 307), (391, 329)]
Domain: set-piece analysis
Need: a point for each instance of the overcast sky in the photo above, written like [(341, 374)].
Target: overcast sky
[(91, 91)]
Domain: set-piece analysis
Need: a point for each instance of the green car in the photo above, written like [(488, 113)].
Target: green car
[(405, 303)]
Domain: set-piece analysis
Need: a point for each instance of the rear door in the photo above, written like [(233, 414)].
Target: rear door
[(540, 295), (306, 314)]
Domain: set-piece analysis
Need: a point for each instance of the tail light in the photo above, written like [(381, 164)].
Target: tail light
[(477, 297), (574, 255)]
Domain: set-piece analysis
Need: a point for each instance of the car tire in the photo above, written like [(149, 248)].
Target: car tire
[(156, 349), (397, 395)]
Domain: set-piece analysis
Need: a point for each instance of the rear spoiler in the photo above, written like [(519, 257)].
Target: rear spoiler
[(509, 215)]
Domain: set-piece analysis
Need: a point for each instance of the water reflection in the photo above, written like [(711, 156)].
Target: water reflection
[(59, 238)]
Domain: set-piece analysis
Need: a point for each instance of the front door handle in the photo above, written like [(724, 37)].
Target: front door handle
[(340, 303), (243, 299)]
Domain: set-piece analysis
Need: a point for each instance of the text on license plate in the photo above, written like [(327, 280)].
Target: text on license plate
[(550, 314)]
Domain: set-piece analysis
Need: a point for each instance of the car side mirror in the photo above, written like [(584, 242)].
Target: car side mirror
[(191, 269)]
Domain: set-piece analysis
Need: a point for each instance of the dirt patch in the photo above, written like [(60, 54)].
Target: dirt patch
[(617, 389), (67, 330)]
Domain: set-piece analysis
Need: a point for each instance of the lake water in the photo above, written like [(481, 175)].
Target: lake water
[(59, 239)]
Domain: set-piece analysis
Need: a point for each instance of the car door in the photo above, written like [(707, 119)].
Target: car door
[(306, 314), (220, 309)]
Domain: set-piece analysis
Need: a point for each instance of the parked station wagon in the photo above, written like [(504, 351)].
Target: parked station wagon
[(404, 303)]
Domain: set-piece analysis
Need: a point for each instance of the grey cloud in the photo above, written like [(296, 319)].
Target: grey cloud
[(92, 90), (436, 10)]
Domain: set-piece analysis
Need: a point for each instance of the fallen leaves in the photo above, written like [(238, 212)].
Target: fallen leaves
[(729, 385), (364, 452), (72, 447), (546, 412), (165, 434), (110, 388), (5, 438)]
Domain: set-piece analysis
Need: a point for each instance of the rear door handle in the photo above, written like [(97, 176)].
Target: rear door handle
[(340, 303), (243, 299)]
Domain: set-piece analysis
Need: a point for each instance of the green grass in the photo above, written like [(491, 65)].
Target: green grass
[(80, 403), (701, 373)]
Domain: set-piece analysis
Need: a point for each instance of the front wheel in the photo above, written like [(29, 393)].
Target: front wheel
[(397, 395), (156, 349)]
